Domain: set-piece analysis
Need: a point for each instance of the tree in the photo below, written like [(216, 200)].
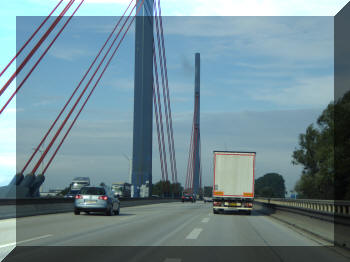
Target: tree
[(208, 191), (167, 189), (270, 185), (316, 155), (342, 148), (64, 191)]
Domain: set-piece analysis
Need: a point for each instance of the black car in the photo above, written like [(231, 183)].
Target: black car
[(71, 194), (188, 197)]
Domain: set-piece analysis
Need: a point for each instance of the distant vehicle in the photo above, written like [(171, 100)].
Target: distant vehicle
[(76, 185), (122, 190), (155, 196), (71, 194), (96, 199), (207, 199), (233, 181), (188, 197)]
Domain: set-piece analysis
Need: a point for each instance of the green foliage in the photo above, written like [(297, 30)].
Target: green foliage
[(342, 148), (167, 189), (208, 191), (316, 155), (64, 191), (270, 185)]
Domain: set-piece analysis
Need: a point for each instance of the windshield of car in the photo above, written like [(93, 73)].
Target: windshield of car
[(92, 191)]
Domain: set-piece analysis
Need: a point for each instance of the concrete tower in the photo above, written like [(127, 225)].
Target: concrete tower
[(143, 107), (196, 159)]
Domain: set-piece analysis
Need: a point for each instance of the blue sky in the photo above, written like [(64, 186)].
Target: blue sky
[(263, 80)]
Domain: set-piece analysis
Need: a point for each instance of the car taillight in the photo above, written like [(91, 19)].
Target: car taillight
[(78, 197), (191, 197), (103, 197), (217, 203), (248, 204)]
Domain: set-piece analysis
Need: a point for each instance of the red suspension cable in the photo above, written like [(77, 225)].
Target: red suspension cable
[(76, 89), (36, 47), (167, 90), (30, 39), (158, 134), (164, 98), (77, 101), (92, 90), (160, 111), (41, 57)]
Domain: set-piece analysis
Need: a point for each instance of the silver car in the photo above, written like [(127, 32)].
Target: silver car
[(96, 199)]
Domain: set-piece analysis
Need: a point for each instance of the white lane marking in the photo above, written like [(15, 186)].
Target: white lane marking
[(172, 260), (194, 234), (24, 241), (205, 220)]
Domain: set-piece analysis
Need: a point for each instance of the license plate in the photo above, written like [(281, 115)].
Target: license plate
[(235, 204), (90, 202)]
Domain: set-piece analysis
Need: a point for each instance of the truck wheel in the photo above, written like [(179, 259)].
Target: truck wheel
[(76, 212)]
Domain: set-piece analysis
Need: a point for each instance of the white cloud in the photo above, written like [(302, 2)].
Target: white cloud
[(256, 7), (309, 92), (69, 54)]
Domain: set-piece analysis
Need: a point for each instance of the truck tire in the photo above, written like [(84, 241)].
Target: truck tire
[(76, 212)]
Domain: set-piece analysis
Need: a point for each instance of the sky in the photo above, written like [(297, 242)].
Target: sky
[(264, 78)]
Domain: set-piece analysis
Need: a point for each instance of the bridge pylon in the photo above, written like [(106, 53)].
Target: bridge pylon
[(141, 177)]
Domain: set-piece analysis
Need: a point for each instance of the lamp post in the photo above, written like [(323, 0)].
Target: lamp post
[(130, 163)]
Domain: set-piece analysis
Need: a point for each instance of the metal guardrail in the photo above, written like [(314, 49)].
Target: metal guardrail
[(11, 208), (330, 207)]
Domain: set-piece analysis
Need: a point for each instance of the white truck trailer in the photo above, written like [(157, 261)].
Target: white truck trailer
[(233, 188)]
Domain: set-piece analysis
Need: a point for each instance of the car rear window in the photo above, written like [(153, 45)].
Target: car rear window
[(92, 191)]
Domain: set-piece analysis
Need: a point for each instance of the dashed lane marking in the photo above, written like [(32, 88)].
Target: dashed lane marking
[(24, 241), (205, 220), (194, 234)]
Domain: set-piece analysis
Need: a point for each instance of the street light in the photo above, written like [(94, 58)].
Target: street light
[(130, 163)]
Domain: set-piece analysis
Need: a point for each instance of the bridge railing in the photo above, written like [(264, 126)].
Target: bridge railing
[(330, 207)]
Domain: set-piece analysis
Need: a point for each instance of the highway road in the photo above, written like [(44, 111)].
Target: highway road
[(174, 231)]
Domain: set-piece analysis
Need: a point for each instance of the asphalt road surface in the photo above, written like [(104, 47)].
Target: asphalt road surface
[(172, 232)]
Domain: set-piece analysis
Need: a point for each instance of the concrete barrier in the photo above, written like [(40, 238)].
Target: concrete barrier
[(326, 219), (322, 207), (12, 208)]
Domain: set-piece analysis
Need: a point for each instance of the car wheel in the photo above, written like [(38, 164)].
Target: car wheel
[(109, 212), (76, 212), (215, 212), (117, 212), (87, 212)]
